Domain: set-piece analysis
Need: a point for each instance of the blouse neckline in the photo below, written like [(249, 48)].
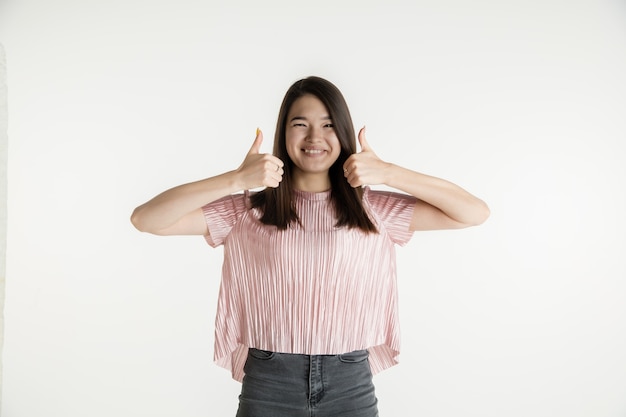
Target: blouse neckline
[(310, 195)]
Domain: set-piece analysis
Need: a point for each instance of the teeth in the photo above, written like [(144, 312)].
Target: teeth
[(313, 151)]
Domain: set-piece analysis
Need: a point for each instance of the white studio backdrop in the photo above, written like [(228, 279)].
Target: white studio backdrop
[(521, 102)]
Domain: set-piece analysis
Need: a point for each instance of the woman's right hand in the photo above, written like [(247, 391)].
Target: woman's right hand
[(178, 211), (259, 169)]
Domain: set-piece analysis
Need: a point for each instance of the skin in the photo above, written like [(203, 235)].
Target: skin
[(313, 147), (312, 144), (441, 204)]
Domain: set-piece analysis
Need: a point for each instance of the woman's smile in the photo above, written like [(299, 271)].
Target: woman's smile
[(311, 141)]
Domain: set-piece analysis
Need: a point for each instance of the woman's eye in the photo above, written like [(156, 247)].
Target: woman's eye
[(329, 125), (299, 125)]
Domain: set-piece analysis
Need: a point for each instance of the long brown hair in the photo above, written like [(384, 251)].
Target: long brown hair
[(277, 204)]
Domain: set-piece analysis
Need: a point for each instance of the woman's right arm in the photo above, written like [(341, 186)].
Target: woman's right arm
[(178, 211)]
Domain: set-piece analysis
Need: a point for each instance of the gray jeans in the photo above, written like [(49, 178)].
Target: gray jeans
[(289, 385)]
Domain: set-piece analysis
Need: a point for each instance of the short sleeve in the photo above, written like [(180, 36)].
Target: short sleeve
[(394, 211), (221, 215)]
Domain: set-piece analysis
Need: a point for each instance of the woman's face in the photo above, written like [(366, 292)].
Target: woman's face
[(311, 141)]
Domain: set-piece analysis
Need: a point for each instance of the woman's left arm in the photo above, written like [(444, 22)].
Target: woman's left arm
[(441, 204)]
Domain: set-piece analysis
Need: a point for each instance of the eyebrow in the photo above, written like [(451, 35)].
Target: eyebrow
[(304, 118)]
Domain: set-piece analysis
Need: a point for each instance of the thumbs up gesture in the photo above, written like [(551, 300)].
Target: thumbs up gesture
[(259, 169), (365, 167)]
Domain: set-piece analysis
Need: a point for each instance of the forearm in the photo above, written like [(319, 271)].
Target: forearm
[(170, 206), (454, 201)]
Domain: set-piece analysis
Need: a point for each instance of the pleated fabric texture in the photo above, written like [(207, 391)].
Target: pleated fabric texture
[(313, 289)]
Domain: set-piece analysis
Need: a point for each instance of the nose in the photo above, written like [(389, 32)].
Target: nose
[(314, 134)]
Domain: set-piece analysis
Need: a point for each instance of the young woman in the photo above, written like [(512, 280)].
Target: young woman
[(307, 310)]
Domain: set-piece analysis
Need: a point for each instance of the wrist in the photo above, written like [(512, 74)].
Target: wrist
[(390, 173), (233, 181)]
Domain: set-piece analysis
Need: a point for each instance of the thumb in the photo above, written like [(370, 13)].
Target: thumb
[(256, 145), (362, 141)]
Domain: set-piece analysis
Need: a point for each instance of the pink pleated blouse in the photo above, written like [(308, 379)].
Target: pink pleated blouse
[(312, 289)]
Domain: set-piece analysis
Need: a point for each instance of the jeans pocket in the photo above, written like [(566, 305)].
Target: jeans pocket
[(354, 357), (261, 354)]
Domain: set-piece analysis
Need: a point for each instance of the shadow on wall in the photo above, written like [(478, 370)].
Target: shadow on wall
[(3, 196)]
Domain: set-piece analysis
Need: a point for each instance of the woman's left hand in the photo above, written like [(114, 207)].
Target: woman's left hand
[(365, 167)]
